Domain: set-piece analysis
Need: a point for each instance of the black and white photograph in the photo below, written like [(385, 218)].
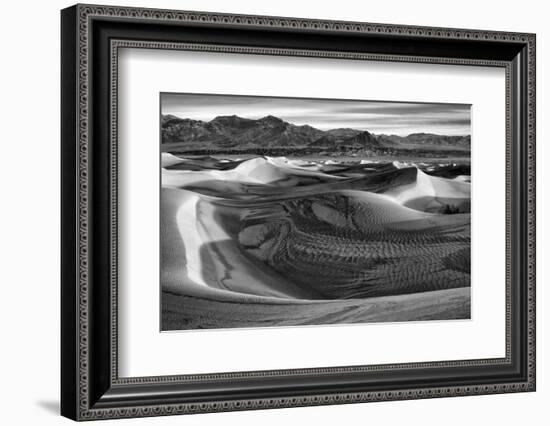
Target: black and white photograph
[(296, 211), (267, 207)]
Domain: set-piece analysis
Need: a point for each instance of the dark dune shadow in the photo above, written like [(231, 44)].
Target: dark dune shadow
[(226, 267), (450, 171), (204, 163), (294, 253)]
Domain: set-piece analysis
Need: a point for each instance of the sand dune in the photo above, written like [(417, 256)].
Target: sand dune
[(258, 170), (269, 177), (352, 244), (182, 311), (463, 178), (201, 255), (167, 159), (279, 232), (430, 193)]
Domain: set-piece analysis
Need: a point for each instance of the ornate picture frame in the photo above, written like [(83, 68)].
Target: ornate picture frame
[(91, 37)]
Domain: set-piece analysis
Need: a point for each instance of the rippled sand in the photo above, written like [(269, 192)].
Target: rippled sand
[(271, 241)]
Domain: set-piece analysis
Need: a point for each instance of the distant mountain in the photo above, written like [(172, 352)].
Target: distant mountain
[(363, 140), (335, 137), (326, 141), (234, 131), (342, 134), (270, 132)]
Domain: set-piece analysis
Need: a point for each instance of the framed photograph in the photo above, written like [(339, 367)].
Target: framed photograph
[(263, 212)]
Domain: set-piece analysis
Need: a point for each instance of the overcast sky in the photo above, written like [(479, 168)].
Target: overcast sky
[(399, 118)]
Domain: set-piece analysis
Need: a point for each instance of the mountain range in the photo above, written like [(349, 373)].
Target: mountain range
[(238, 133)]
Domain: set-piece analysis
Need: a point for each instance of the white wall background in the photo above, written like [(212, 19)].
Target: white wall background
[(29, 225)]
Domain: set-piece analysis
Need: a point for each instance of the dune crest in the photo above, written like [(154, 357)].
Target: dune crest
[(433, 194)]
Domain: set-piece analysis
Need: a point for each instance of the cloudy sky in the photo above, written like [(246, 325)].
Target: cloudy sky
[(399, 118)]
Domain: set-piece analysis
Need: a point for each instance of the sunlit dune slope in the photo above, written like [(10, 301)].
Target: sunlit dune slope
[(201, 257)]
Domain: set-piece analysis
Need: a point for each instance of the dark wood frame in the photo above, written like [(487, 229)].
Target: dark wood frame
[(90, 386)]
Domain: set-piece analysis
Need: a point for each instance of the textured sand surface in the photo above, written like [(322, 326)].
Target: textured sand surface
[(273, 241)]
